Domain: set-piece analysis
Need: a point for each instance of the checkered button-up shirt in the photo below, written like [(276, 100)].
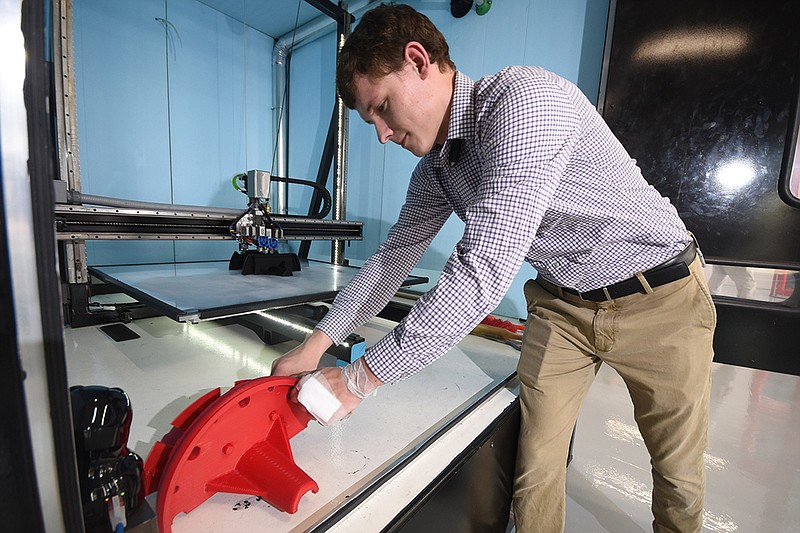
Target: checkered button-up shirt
[(539, 178)]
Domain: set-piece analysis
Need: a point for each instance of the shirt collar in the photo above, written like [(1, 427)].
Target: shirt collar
[(462, 111)]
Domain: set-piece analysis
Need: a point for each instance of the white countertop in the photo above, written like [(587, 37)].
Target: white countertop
[(172, 364)]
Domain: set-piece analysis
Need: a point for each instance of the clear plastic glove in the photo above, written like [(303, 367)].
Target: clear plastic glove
[(360, 380), (316, 395), (325, 396), (331, 394)]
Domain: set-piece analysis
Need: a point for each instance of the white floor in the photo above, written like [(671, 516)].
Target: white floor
[(752, 461)]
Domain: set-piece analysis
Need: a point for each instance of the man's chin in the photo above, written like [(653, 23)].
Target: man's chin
[(417, 151)]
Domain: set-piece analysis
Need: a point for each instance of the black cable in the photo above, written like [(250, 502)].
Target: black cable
[(326, 196)]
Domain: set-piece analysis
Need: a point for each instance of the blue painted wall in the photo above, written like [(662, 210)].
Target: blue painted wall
[(173, 99), (169, 112)]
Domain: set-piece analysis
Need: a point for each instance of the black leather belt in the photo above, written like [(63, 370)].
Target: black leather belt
[(667, 272)]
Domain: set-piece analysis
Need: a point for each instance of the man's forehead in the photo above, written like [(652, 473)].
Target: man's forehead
[(365, 85), (367, 92), (372, 86)]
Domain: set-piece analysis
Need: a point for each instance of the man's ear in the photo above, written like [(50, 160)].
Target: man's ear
[(416, 54)]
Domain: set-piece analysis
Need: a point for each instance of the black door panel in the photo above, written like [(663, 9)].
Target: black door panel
[(704, 95)]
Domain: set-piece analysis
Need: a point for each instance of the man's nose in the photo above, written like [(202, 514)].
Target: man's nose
[(384, 132)]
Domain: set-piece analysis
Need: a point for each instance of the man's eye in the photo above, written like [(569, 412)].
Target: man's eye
[(381, 107)]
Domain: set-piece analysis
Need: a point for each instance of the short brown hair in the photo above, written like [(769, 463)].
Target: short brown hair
[(377, 46)]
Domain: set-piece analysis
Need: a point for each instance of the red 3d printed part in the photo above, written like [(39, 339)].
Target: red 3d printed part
[(237, 443)]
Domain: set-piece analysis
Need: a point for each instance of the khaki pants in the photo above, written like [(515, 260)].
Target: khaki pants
[(661, 345)]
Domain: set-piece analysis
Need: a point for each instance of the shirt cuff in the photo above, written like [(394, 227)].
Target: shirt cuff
[(388, 362), (335, 325)]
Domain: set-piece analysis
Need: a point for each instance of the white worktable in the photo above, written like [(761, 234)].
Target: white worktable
[(399, 440)]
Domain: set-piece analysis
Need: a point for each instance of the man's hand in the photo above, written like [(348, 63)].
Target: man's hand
[(303, 358), (331, 394)]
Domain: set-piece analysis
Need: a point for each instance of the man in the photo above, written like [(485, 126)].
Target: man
[(526, 162)]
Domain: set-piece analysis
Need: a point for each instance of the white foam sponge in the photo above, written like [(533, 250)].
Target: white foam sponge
[(316, 397)]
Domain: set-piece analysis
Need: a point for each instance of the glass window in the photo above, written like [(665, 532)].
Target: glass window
[(751, 283)]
